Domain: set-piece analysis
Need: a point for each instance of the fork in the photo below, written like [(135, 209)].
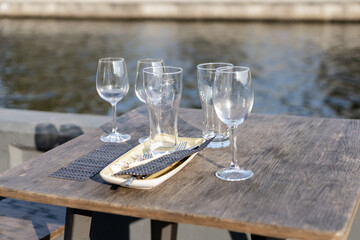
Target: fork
[(148, 155), (180, 146), (144, 157)]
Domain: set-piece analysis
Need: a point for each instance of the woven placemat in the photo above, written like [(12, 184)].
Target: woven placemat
[(93, 162)]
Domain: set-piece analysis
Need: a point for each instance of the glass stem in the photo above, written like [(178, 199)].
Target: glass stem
[(234, 163), (114, 127)]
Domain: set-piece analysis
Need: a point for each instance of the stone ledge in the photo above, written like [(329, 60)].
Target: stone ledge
[(26, 120), (316, 10), (25, 134)]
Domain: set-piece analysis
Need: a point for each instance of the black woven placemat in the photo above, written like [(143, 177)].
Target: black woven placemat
[(93, 162)]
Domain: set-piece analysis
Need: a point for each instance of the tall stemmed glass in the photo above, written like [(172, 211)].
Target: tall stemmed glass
[(233, 96), (112, 85), (139, 80)]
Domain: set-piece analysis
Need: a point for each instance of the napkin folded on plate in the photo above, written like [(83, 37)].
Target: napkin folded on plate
[(162, 162)]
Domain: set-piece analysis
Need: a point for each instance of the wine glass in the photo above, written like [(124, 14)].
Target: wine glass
[(112, 85), (233, 100), (139, 80)]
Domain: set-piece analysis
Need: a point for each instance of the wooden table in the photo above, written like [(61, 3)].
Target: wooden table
[(306, 181)]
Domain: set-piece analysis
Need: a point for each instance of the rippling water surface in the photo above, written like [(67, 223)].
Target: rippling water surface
[(300, 69)]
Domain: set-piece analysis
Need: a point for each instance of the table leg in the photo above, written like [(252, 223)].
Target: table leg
[(163, 230), (77, 224)]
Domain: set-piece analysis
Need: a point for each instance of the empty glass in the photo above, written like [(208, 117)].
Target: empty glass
[(139, 80), (112, 85), (163, 88), (233, 100), (212, 126)]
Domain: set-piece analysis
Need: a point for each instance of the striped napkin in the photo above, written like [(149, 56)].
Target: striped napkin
[(162, 162)]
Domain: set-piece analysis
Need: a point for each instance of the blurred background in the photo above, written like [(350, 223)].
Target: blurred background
[(308, 69)]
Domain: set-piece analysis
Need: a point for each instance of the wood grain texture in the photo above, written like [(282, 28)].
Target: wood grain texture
[(306, 181)]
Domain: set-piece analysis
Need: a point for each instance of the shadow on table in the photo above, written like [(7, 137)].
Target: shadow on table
[(210, 161)]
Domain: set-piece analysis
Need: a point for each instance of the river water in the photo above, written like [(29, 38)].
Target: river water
[(308, 69)]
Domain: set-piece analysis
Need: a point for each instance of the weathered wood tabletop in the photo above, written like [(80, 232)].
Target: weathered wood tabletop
[(306, 181)]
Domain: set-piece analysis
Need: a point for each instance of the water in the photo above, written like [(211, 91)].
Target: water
[(301, 69)]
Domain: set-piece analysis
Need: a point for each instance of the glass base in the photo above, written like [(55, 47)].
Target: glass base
[(220, 141), (234, 174), (218, 144), (115, 137), (143, 139)]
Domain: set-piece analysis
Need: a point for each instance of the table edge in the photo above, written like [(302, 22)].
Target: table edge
[(255, 228)]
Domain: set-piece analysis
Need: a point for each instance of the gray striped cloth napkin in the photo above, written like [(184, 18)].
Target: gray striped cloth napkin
[(162, 162)]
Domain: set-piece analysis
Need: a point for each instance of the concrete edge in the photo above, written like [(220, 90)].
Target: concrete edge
[(317, 10), (25, 120), (24, 134)]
